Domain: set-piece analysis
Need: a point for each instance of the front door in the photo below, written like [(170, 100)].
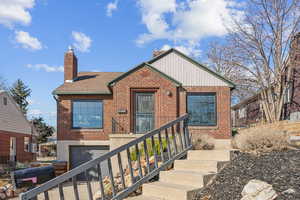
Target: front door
[(143, 112), (13, 149)]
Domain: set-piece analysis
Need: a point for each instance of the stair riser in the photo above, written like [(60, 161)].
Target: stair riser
[(200, 155), (168, 194), (196, 167), (193, 180)]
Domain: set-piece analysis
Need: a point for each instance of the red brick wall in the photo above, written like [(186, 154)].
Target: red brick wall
[(142, 80), (167, 107), (22, 156), (70, 66), (64, 118), (223, 128)]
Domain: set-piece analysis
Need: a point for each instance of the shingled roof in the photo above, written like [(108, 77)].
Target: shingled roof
[(88, 83)]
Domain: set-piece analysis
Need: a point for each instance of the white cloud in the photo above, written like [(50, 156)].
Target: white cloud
[(111, 7), (46, 67), (35, 112), (82, 41), (27, 41), (15, 11), (188, 21), (187, 50), (154, 19)]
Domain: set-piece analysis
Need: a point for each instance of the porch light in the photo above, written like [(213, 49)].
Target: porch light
[(169, 93)]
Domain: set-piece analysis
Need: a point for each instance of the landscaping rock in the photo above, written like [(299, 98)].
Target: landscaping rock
[(281, 169), (258, 190)]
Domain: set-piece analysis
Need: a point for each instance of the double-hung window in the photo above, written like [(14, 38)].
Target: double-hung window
[(87, 114), (201, 108)]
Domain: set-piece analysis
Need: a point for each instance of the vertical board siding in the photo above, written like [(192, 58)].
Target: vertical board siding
[(186, 72), (11, 118)]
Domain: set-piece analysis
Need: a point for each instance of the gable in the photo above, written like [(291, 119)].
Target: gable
[(187, 71), (11, 118), (146, 65)]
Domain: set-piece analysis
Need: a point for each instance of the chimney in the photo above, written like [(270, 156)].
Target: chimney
[(157, 52), (70, 65)]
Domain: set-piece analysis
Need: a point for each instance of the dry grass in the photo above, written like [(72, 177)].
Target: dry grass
[(203, 142), (259, 142)]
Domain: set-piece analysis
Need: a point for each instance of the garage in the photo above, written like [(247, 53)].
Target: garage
[(82, 154)]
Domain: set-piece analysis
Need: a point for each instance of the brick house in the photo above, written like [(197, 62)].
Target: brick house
[(249, 111), (17, 141), (94, 106)]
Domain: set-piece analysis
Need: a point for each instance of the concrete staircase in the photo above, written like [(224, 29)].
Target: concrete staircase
[(188, 176)]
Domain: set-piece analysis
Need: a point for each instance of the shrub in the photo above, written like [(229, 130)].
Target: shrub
[(203, 142), (133, 153), (259, 142)]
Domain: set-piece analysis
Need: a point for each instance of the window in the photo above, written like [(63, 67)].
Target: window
[(5, 101), (26, 144), (202, 109), (87, 114)]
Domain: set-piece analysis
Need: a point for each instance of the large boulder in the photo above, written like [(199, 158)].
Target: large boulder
[(258, 190)]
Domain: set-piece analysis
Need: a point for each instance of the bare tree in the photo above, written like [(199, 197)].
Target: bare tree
[(219, 59), (258, 46)]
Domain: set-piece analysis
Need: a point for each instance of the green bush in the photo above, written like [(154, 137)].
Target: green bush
[(133, 153)]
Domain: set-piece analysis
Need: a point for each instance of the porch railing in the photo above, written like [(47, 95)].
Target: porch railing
[(126, 124), (172, 136)]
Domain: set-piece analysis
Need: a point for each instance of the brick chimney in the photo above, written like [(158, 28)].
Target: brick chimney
[(157, 52), (70, 65)]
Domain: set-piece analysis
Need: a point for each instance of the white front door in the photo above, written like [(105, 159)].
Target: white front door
[(13, 149)]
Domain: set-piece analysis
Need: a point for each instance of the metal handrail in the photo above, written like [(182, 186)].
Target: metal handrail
[(179, 139), (120, 124)]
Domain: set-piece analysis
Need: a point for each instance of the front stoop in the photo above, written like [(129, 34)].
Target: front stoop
[(187, 177)]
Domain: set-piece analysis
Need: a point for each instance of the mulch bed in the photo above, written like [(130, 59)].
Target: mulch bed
[(280, 169)]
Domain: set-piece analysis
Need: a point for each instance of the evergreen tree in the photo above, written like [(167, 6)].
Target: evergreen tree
[(42, 128), (19, 91)]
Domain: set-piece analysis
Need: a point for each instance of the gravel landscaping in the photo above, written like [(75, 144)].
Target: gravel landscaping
[(280, 169)]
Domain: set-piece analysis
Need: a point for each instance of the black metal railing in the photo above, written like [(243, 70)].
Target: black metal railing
[(127, 124), (172, 136)]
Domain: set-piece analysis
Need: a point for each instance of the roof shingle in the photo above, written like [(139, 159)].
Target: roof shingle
[(88, 83)]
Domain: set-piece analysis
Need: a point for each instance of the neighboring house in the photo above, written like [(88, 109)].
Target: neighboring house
[(250, 111), (17, 141), (93, 105)]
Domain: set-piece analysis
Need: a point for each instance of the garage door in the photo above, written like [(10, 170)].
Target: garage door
[(82, 154)]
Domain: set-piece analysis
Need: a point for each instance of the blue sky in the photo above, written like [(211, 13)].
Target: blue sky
[(108, 35)]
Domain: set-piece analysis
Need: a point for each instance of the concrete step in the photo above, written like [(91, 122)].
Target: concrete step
[(169, 191), (217, 155), (182, 178), (202, 166), (143, 197), (223, 144)]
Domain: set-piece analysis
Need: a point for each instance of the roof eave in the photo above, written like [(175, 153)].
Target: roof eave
[(79, 92)]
